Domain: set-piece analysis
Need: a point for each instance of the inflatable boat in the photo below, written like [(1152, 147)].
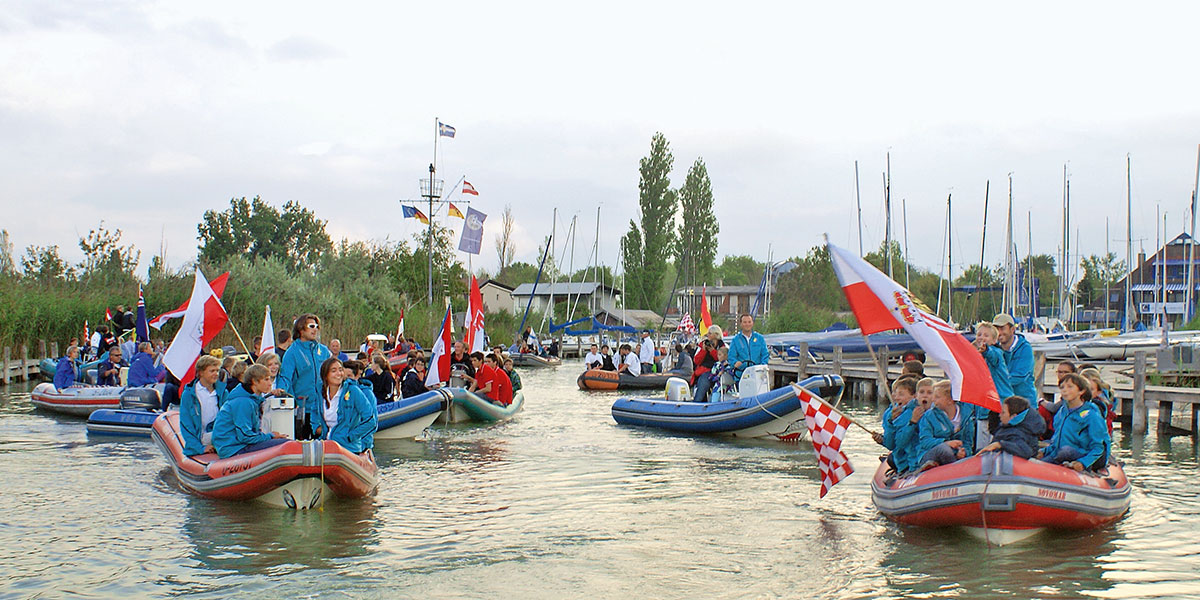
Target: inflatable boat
[(298, 475), (398, 363), (139, 408), (595, 379), (408, 417), (462, 406), (765, 415), (76, 400), (1002, 498), (533, 360)]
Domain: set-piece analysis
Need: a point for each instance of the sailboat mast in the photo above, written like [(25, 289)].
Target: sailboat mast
[(949, 265), (1191, 246), (858, 202), (904, 218), (987, 189), (1128, 242), (887, 223), (1107, 274)]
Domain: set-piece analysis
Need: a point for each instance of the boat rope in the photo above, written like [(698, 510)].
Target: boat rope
[(758, 399), (983, 499)]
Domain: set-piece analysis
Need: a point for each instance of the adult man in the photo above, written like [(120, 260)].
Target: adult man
[(593, 360), (747, 349), (606, 359), (299, 373), (629, 361), (143, 370), (1018, 354), (122, 320), (335, 350), (283, 341), (460, 357), (646, 351), (109, 371)]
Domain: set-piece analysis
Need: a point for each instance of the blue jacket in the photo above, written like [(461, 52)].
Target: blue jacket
[(936, 427), (300, 374), (112, 380), (189, 417), (356, 424), (65, 374), (237, 424), (749, 353), (994, 357), (1081, 428), (143, 372), (900, 436), (1019, 437), (1019, 360)]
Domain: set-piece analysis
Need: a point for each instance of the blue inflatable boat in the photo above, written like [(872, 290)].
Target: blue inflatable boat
[(139, 407), (408, 417), (767, 415)]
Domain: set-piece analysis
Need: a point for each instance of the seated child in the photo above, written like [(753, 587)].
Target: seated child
[(1019, 429), (941, 430), (900, 425), (721, 376)]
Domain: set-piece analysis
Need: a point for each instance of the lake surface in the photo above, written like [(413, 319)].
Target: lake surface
[(559, 502)]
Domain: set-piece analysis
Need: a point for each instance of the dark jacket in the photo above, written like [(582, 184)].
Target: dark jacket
[(382, 385), (413, 384), (1020, 435)]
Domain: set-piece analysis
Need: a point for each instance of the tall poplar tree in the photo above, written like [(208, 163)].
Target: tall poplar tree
[(698, 227), (647, 249)]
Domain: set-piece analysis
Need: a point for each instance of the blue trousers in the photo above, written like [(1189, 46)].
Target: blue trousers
[(703, 385), (941, 454), (262, 445)]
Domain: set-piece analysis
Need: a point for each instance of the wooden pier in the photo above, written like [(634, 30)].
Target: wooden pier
[(16, 365), (869, 382)]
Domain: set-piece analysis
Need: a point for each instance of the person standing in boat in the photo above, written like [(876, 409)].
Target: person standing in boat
[(630, 364), (592, 360), (646, 352), (199, 404), (237, 428), (1080, 439), (143, 371), (66, 374), (299, 375), (986, 337), (747, 349), (108, 373), (346, 412), (1018, 356)]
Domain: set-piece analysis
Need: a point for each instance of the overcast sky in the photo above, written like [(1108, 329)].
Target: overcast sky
[(146, 114)]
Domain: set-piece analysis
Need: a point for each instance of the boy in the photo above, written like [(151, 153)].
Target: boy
[(900, 425), (512, 375), (719, 370), (941, 432), (1019, 429)]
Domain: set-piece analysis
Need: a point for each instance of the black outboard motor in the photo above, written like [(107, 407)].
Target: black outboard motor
[(141, 398)]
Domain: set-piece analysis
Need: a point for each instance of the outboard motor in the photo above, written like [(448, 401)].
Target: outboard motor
[(141, 398), (678, 390), (755, 380)]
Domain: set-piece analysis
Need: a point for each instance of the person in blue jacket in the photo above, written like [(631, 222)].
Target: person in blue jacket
[(237, 428), (299, 374), (1018, 357), (346, 413), (143, 371), (199, 405), (945, 433), (1019, 430), (748, 348), (1080, 439), (986, 338), (900, 420), (66, 374)]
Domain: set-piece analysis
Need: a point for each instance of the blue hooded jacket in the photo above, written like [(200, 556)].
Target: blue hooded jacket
[(143, 372), (753, 352), (1019, 359), (900, 435), (1019, 437), (1082, 428), (936, 427), (300, 374), (189, 417), (65, 375), (994, 357), (357, 422), (237, 423)]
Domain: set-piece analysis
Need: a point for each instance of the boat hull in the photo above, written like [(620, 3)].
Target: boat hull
[(408, 417), (999, 491), (78, 401), (533, 360), (275, 476), (595, 379), (463, 406), (122, 422)]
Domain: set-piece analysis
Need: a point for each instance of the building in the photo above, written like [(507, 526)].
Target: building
[(497, 297), (591, 296), (636, 318), (1158, 283)]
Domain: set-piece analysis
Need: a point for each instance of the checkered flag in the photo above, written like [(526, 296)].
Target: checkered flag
[(686, 325), (826, 428)]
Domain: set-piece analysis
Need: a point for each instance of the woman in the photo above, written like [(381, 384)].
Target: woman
[(1080, 438), (383, 383), (344, 412), (237, 429), (704, 361), (66, 373), (271, 361), (1101, 394), (683, 363), (199, 404), (414, 378)]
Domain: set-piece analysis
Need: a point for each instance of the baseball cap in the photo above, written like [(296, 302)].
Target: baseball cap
[(1003, 319)]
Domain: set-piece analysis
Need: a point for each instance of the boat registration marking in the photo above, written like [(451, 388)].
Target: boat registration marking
[(237, 467)]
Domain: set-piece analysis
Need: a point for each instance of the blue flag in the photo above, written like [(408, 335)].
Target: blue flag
[(472, 233), (142, 326), (409, 211), (445, 130)]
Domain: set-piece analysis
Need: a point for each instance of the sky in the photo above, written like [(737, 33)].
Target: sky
[(146, 114)]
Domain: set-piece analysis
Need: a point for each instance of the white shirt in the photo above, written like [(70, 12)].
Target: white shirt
[(94, 342), (592, 357), (632, 365), (956, 421), (646, 354), (330, 409), (208, 406)]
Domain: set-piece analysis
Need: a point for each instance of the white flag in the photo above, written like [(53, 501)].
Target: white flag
[(268, 334)]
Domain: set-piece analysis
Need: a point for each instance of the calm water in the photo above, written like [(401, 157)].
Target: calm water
[(560, 502)]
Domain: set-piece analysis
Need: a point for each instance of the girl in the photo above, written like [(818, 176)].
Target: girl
[(344, 413)]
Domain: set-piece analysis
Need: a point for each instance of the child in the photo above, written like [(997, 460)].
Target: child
[(925, 393), (721, 385), (1019, 429), (941, 432), (512, 374), (900, 425), (355, 371), (986, 336), (1101, 395)]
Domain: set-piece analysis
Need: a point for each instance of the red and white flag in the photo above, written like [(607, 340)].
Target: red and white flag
[(475, 340), (469, 189), (268, 334), (881, 304), (686, 325), (400, 327), (203, 320), (826, 428), (439, 360), (218, 287), (705, 317), (107, 314)]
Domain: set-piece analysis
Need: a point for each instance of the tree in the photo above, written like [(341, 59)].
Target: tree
[(104, 257), (517, 273), (44, 264), (646, 250), (739, 270), (505, 247), (698, 228), (256, 229), (1100, 272), (7, 264)]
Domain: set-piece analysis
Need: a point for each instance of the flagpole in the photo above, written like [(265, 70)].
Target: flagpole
[(239, 336)]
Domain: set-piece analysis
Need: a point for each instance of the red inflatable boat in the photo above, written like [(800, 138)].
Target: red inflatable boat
[(1002, 498), (293, 475), (79, 400)]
